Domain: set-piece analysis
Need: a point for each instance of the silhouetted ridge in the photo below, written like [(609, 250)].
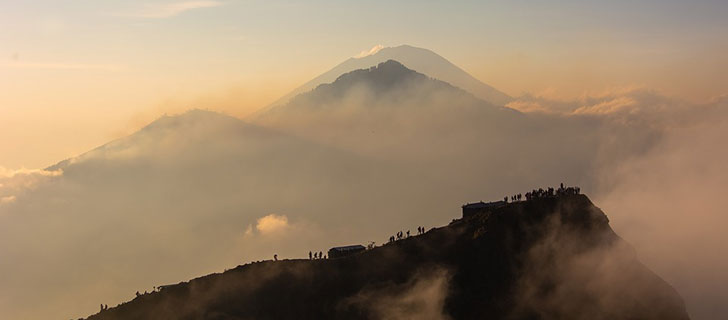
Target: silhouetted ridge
[(546, 258), (385, 75)]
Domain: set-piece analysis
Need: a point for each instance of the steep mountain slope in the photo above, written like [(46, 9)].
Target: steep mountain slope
[(548, 258), (419, 59)]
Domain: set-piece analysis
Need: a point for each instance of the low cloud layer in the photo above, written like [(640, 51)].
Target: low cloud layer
[(667, 200), (670, 205), (621, 103)]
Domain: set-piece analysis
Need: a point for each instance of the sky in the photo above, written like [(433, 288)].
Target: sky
[(76, 74)]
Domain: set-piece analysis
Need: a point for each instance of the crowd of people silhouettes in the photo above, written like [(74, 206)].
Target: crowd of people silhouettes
[(533, 194), (541, 193)]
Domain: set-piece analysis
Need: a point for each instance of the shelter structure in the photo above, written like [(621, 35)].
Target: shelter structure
[(338, 252), (473, 208)]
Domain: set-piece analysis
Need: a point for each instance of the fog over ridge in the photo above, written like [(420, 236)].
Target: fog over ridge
[(336, 164)]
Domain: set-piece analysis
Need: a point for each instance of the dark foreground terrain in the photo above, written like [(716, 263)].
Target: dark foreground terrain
[(546, 258)]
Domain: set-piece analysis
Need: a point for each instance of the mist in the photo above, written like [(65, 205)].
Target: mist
[(422, 297), (670, 205), (353, 162), (665, 200)]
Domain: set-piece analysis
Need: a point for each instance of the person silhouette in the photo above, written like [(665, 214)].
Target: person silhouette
[(310, 255), (321, 254), (275, 257)]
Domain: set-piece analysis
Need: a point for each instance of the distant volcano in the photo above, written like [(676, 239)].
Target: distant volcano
[(418, 59), (388, 84)]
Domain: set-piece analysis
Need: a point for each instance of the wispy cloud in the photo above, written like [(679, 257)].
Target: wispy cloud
[(370, 52), (167, 10), (60, 66)]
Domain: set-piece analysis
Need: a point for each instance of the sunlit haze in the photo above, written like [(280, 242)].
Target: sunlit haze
[(76, 74)]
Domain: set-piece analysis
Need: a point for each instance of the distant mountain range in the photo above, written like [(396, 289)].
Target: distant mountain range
[(387, 145), (419, 59)]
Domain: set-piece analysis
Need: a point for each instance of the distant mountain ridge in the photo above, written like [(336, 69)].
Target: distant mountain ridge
[(376, 110), (417, 59), (387, 83), (384, 76)]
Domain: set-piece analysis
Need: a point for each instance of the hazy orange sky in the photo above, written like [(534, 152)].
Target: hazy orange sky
[(74, 75)]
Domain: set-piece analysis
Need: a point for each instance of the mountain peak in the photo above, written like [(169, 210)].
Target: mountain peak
[(388, 81), (418, 59), (383, 75)]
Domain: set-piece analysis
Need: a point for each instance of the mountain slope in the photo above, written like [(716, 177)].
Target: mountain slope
[(418, 59), (548, 258), (387, 85), (201, 184), (379, 110)]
